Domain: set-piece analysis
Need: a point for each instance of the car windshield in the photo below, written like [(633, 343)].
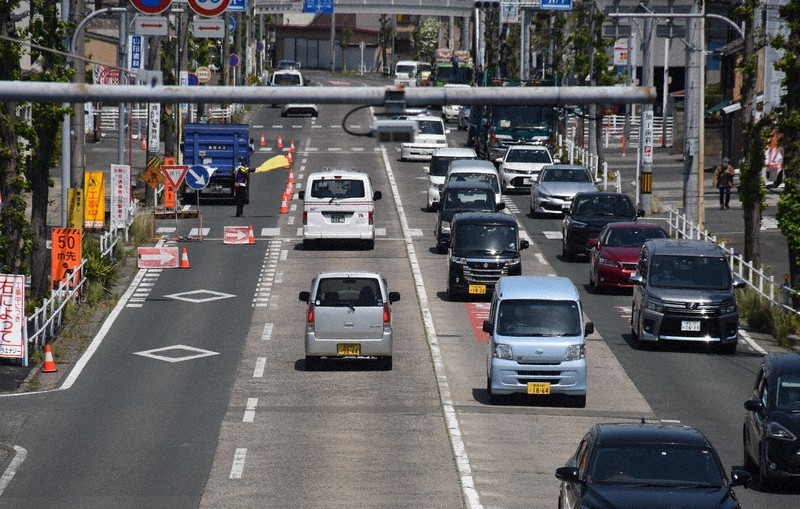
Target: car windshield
[(440, 164), (788, 397), (539, 318), (486, 238), (348, 291), (528, 156), (523, 117), (337, 188), (655, 464), (632, 237), (566, 175), (406, 69), (604, 205), (477, 200), (486, 178), (281, 79), (696, 272), (430, 127), (449, 74)]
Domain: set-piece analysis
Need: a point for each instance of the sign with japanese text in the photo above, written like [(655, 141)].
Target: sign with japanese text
[(153, 133), (120, 195), (13, 328), (175, 173), (95, 191), (75, 208), (66, 255), (135, 52)]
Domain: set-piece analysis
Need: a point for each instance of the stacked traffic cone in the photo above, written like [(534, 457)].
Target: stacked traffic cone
[(291, 147), (288, 162), (144, 142), (285, 204), (185, 260), (49, 363), (289, 190), (289, 157), (263, 142), (291, 176), (251, 239), (280, 141)]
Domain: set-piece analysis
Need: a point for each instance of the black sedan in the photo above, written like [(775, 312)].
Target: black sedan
[(653, 465), (772, 422)]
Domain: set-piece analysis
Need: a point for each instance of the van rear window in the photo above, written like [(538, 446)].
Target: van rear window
[(348, 291), (338, 188)]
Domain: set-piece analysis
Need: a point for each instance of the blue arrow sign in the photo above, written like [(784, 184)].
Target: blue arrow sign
[(237, 6), (197, 177), (318, 6), (556, 5)]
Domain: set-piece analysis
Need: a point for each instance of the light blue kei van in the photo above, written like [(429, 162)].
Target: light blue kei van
[(537, 339)]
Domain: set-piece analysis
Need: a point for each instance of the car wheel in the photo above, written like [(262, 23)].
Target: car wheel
[(748, 462), (593, 288), (494, 399), (311, 363), (369, 245), (762, 478), (451, 295), (728, 348), (579, 401), (307, 245), (566, 254), (386, 363)]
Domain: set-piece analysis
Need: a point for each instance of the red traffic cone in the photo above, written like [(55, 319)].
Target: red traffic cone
[(263, 142), (289, 157), (289, 190), (280, 141), (291, 176), (144, 142), (285, 204), (251, 239), (185, 260), (49, 363), (291, 148)]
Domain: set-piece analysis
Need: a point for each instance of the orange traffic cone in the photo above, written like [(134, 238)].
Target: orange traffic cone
[(285, 204), (251, 239), (289, 190), (291, 176), (49, 363), (291, 148), (280, 141), (144, 142), (263, 142), (185, 260), (289, 157)]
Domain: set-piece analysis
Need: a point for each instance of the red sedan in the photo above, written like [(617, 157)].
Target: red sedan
[(614, 254)]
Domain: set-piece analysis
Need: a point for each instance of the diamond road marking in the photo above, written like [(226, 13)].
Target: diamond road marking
[(211, 296), (197, 353)]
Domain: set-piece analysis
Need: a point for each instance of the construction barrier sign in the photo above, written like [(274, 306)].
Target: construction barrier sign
[(120, 195), (76, 208), (13, 326), (95, 189), (66, 255)]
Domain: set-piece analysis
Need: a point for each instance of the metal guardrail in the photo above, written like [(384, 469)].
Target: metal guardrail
[(779, 295)]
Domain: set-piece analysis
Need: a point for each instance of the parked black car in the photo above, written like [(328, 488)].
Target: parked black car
[(772, 423), (588, 214), (651, 465)]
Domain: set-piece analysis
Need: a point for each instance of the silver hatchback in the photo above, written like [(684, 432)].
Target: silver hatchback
[(349, 315)]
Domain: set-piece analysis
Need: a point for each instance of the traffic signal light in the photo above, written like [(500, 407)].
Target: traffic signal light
[(487, 5)]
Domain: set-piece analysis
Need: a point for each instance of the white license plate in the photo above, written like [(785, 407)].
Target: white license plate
[(337, 218), (526, 181), (690, 325)]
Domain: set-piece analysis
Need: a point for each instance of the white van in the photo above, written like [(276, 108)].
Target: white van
[(478, 170), (339, 204), (431, 134), (405, 73)]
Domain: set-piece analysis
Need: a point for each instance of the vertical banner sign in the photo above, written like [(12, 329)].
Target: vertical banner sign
[(135, 52), (183, 80), (76, 208), (95, 188), (13, 343), (120, 195), (153, 139), (66, 255)]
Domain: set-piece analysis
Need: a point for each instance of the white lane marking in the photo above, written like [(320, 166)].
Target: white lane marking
[(551, 235), (261, 365), (266, 335), (540, 258), (469, 493), (250, 410), (238, 463), (8, 475), (747, 339)]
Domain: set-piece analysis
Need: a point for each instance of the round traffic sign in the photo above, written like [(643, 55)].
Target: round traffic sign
[(260, 46), (192, 80), (209, 7), (203, 74), (197, 177), (151, 6), (233, 60)]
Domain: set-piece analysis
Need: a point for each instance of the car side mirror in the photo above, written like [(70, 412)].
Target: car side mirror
[(636, 279), (740, 476), (377, 195), (487, 326), (501, 206), (556, 160), (301, 195), (435, 206), (640, 213), (524, 244), (568, 474), (447, 131), (426, 169), (598, 181), (394, 296), (739, 283), (588, 328), (592, 243), (304, 296), (499, 160), (754, 405)]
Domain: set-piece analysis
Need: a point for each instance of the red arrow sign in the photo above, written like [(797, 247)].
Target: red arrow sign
[(158, 257), (175, 173), (236, 235)]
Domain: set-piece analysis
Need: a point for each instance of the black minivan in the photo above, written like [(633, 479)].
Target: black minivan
[(483, 248)]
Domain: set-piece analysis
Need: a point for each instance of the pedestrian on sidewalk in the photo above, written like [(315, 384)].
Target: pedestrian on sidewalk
[(241, 179), (723, 181)]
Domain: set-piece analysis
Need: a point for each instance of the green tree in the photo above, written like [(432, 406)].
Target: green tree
[(424, 38)]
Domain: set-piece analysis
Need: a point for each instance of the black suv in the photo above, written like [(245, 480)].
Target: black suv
[(772, 423), (588, 214)]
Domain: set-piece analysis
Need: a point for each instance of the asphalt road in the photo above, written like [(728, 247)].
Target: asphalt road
[(230, 417)]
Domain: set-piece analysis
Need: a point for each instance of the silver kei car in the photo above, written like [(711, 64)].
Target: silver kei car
[(556, 185), (349, 315)]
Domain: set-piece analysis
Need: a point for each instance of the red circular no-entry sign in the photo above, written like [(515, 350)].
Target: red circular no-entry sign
[(209, 7)]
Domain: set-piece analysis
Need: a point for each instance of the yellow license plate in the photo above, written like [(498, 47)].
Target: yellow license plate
[(348, 349), (538, 387), (477, 289)]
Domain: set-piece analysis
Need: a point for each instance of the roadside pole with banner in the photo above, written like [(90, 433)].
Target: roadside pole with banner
[(13, 326)]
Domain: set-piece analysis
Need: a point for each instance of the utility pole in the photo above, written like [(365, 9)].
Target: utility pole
[(693, 118), (646, 117)]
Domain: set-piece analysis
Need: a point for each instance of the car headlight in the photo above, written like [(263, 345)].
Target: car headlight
[(544, 196), (778, 432), (728, 308), (460, 260), (575, 352), (512, 262), (654, 305), (445, 226), (602, 260), (502, 351), (579, 225)]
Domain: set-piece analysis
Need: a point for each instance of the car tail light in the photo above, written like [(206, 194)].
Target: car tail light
[(310, 317), (371, 217), (305, 217), (387, 314)]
